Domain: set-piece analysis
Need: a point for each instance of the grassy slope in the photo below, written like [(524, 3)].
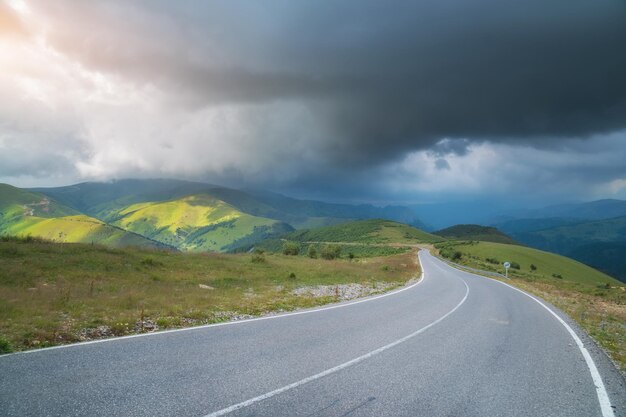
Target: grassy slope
[(195, 223), (365, 232), (15, 203), (475, 232), (69, 290), (547, 263), (24, 213), (595, 300)]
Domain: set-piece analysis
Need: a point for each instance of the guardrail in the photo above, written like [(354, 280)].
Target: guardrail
[(468, 269)]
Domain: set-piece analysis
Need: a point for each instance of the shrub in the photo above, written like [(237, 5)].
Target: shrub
[(151, 262), (291, 248), (350, 255), (457, 255), (515, 265), (330, 252), (292, 275), (258, 258), (493, 261), (312, 252), (557, 276), (5, 346), (533, 267)]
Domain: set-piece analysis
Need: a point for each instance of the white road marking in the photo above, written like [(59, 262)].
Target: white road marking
[(226, 323), (337, 368), (603, 396)]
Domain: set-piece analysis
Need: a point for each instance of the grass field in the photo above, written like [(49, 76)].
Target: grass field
[(549, 266), (59, 293), (596, 301)]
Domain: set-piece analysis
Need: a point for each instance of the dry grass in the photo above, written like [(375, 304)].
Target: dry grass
[(59, 293), (604, 318)]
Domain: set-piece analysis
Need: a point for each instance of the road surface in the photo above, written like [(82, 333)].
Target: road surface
[(455, 344)]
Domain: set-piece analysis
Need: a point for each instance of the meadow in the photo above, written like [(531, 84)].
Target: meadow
[(53, 293)]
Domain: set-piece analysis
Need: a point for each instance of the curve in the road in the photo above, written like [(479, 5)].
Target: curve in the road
[(338, 368), (603, 396)]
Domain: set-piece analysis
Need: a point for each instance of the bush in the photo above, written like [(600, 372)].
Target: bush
[(312, 252), (291, 248), (557, 276), (493, 261), (515, 265), (5, 346), (257, 258), (456, 255), (330, 252), (292, 275), (533, 267), (151, 262)]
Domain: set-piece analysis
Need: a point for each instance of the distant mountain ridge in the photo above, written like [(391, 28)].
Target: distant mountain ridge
[(102, 199), (592, 210), (190, 216)]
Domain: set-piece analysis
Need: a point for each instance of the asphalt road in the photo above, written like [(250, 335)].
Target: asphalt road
[(455, 344)]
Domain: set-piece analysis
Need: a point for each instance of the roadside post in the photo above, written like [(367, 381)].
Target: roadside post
[(507, 265)]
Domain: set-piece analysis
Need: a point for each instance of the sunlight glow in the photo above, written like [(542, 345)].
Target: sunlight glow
[(20, 6)]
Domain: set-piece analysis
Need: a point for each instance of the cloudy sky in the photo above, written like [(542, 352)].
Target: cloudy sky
[(346, 100)]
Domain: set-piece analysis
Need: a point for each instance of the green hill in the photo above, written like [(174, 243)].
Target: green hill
[(549, 266), (196, 223), (475, 232), (25, 213), (103, 200), (365, 231)]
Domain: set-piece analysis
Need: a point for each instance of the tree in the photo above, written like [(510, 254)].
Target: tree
[(312, 252), (330, 251), (291, 248)]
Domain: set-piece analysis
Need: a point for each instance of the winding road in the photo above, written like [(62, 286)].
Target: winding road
[(453, 344)]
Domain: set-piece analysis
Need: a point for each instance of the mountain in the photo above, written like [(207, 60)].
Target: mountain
[(310, 209), (593, 210), (475, 232), (564, 239), (597, 243), (198, 222), (206, 217), (103, 200), (531, 225), (607, 257), (25, 213)]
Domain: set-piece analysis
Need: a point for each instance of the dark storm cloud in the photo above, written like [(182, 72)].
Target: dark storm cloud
[(383, 78)]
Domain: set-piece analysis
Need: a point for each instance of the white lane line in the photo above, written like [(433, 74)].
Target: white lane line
[(603, 396), (226, 323), (337, 368)]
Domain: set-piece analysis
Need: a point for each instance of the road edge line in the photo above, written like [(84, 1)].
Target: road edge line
[(601, 392)]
